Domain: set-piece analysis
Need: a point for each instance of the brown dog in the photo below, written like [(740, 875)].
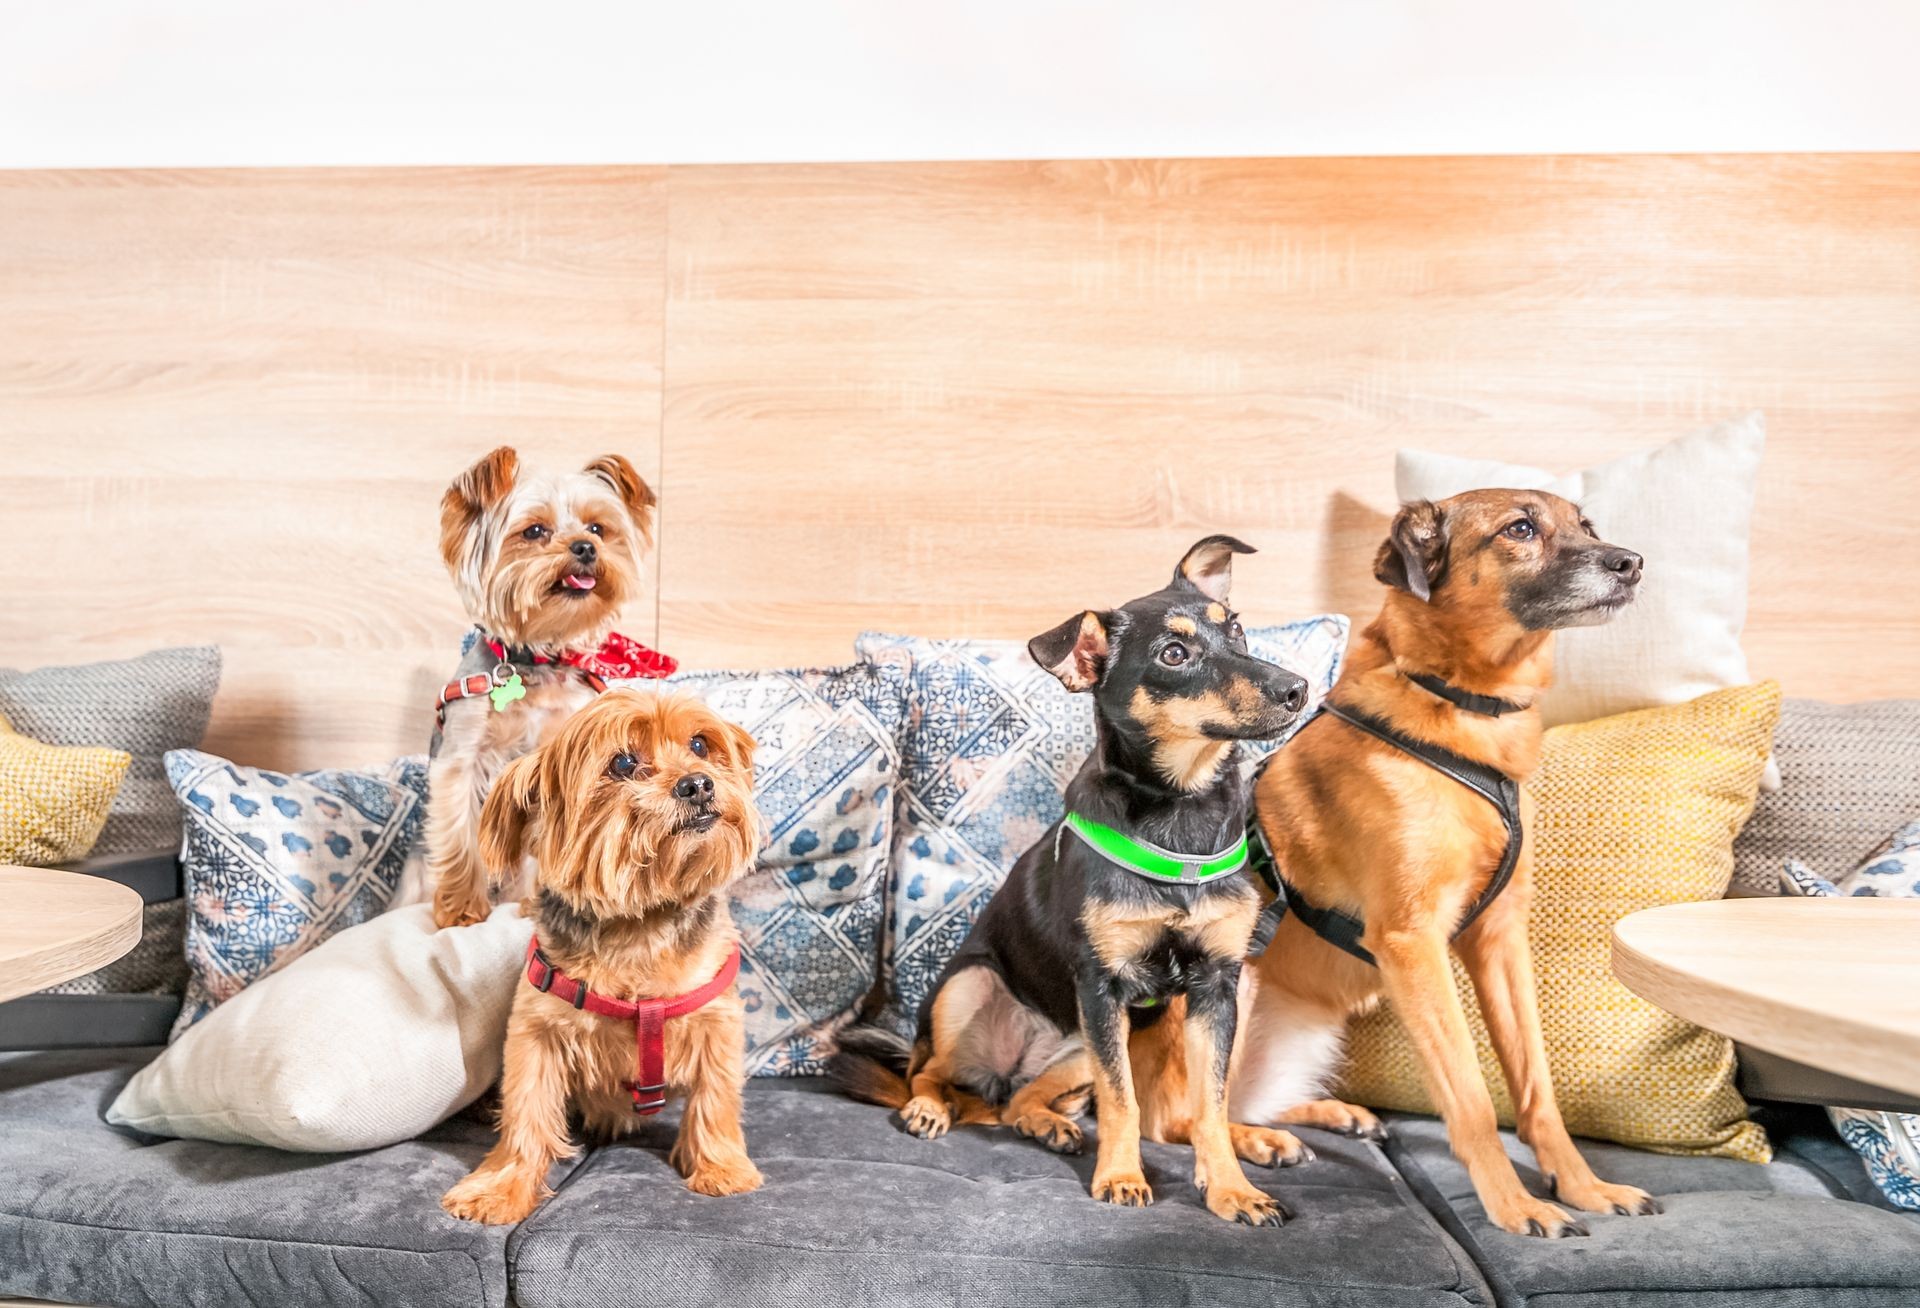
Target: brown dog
[(1460, 652), (639, 814)]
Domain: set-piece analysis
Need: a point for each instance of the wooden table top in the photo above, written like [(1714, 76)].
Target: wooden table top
[(55, 926), (1832, 983)]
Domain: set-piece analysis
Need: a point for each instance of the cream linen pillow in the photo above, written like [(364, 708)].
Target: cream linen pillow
[(1688, 507), (372, 1037)]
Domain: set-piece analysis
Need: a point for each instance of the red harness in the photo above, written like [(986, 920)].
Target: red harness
[(649, 1017), (619, 658)]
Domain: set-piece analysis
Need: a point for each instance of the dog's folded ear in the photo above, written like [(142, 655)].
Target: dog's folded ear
[(1208, 566), (1413, 557), (1075, 651), (741, 744), (473, 492), (630, 487), (504, 817)]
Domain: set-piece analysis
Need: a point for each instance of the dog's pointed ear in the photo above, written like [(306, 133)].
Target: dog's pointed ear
[(630, 487), (1413, 557), (1208, 566), (1075, 651), (504, 817), (472, 493)]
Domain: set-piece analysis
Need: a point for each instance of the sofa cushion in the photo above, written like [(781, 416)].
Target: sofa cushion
[(95, 1214), (1783, 1235), (855, 1211), (1850, 773)]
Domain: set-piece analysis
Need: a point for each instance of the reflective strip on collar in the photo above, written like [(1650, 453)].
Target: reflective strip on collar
[(1149, 860)]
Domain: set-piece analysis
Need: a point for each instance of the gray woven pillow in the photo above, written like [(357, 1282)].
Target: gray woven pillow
[(146, 706), (1850, 773)]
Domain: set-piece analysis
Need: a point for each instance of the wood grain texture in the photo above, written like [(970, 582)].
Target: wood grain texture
[(1831, 983), (955, 398), (970, 398), (55, 926), (230, 401)]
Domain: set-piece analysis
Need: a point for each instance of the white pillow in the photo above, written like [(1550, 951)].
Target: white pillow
[(370, 1038), (1688, 507)]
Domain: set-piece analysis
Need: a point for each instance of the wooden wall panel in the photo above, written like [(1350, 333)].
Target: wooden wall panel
[(230, 401), (969, 398)]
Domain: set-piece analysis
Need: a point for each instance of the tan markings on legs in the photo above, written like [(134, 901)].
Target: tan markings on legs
[(1031, 1110), (1497, 958), (929, 1113), (711, 1151), (1413, 964), (1117, 1175), (511, 1180), (1216, 1168)]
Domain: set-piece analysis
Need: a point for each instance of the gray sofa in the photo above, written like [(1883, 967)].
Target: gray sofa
[(855, 1211)]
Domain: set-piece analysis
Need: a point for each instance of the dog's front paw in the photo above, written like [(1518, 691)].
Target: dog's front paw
[(1060, 1134), (1243, 1204), (1596, 1196), (926, 1117), (449, 912), (724, 1176), (1128, 1189), (495, 1198), (1265, 1146), (1529, 1216)]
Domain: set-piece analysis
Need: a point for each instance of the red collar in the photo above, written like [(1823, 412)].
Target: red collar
[(647, 1015)]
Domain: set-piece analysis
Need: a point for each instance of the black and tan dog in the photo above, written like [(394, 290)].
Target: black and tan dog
[(1394, 818), (1132, 913)]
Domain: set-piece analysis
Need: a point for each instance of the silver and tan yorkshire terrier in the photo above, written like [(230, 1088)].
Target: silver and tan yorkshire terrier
[(543, 563)]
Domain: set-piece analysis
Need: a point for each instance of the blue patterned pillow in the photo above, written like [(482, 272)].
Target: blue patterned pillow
[(277, 862), (1888, 1143), (992, 742), (810, 913)]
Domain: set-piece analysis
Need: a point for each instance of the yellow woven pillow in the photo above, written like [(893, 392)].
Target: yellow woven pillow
[(1632, 811), (54, 798)]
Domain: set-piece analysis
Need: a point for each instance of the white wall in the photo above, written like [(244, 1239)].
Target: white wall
[(247, 82)]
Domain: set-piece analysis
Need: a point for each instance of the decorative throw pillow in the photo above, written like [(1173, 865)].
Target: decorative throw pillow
[(1888, 1143), (1631, 812), (992, 741), (53, 798), (368, 1039), (825, 769), (145, 706), (276, 862), (1687, 506)]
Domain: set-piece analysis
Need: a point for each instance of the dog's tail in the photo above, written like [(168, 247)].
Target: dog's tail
[(871, 1065)]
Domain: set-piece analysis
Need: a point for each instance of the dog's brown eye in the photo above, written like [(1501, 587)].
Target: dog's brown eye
[(595, 528), (1521, 530), (1174, 654), (536, 532), (1235, 631), (698, 745), (623, 766)]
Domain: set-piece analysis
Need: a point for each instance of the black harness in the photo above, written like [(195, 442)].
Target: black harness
[(1343, 930)]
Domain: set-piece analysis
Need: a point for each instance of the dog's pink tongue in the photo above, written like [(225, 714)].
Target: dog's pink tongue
[(577, 583)]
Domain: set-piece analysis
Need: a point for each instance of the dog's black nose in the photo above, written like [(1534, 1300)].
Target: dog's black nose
[(1624, 564), (694, 788), (584, 551), (1295, 698)]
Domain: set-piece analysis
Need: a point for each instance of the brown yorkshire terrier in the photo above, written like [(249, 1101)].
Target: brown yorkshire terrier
[(639, 814), (543, 563)]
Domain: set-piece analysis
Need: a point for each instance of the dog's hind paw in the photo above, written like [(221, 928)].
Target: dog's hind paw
[(1057, 1133), (1263, 1146), (925, 1117)]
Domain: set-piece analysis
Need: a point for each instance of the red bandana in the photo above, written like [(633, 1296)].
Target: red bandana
[(619, 658)]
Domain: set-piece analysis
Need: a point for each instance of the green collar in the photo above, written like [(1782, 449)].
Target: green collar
[(1153, 862)]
